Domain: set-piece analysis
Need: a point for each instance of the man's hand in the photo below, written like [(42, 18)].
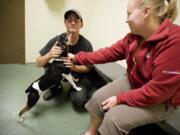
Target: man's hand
[(55, 51), (109, 103)]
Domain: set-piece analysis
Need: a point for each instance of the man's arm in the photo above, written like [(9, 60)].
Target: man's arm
[(80, 68), (41, 61)]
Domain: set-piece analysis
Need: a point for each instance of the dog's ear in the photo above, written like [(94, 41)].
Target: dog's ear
[(28, 89)]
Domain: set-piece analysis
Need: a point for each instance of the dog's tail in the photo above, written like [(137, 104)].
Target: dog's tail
[(25, 109)]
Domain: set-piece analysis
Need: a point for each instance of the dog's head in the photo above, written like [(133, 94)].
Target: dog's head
[(63, 44), (33, 97)]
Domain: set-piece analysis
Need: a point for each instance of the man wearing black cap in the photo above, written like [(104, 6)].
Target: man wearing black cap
[(51, 79)]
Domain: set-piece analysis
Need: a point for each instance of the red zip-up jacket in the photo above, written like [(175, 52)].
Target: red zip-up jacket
[(153, 68)]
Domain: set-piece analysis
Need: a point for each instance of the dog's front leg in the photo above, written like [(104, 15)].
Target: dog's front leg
[(70, 80)]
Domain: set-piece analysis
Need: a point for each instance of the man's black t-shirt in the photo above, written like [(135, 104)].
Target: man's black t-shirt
[(82, 45)]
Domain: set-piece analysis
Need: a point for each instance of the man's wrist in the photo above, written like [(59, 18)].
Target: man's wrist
[(74, 68)]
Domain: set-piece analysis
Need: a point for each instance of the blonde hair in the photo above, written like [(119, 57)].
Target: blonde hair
[(162, 8)]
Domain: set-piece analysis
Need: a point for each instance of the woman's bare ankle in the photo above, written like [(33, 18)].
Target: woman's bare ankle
[(92, 132)]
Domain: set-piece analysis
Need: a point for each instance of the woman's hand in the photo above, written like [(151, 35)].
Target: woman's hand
[(109, 103), (68, 62), (70, 55)]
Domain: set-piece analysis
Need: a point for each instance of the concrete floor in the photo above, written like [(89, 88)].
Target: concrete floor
[(54, 117)]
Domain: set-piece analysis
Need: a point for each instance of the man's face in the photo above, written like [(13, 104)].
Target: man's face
[(73, 23), (135, 17)]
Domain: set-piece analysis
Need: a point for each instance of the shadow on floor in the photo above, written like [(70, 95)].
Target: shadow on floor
[(150, 129)]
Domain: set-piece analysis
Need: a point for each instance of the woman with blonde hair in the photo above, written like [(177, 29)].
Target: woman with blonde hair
[(151, 91)]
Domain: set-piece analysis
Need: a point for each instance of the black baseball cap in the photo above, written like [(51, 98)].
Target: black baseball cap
[(75, 11)]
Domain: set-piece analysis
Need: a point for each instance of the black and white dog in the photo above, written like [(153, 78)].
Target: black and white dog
[(55, 72)]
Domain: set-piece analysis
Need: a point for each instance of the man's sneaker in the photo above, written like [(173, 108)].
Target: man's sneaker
[(49, 94)]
